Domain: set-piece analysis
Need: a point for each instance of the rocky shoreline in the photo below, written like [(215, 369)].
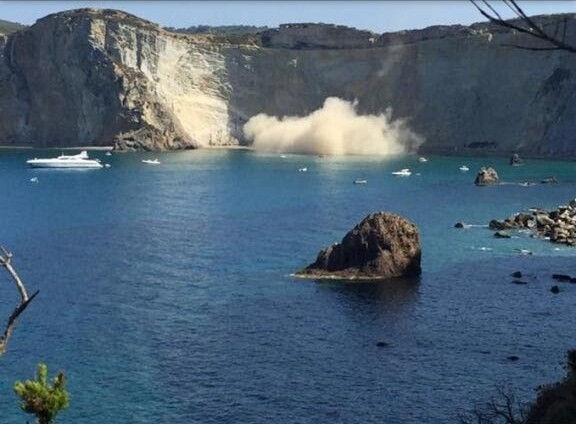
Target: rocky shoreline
[(557, 226)]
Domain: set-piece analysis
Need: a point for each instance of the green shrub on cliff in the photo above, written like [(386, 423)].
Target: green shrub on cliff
[(42, 398)]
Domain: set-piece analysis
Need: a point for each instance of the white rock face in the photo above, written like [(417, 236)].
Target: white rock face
[(93, 77), (187, 76)]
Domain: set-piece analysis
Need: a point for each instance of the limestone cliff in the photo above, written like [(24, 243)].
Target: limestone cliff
[(102, 77)]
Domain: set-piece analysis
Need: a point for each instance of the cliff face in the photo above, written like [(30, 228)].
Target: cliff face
[(93, 77), (101, 77)]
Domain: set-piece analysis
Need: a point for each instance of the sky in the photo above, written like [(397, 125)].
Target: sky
[(378, 15)]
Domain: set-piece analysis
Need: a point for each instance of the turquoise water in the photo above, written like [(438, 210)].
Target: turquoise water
[(166, 295)]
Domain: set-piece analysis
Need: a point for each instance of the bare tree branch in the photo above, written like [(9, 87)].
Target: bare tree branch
[(6, 262), (502, 408), (526, 25)]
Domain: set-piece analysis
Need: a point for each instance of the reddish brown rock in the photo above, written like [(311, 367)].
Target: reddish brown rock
[(382, 245)]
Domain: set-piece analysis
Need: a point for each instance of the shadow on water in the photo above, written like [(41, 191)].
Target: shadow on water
[(384, 297)]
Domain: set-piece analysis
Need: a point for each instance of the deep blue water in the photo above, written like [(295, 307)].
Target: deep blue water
[(166, 295)]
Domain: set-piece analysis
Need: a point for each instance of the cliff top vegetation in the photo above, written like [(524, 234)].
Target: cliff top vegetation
[(7, 27), (220, 30)]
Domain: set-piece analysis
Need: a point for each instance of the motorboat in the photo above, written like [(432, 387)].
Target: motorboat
[(80, 160), (360, 181), (303, 169), (464, 168), (151, 161), (422, 159), (403, 172)]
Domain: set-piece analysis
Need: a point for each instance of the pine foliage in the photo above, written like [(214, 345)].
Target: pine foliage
[(43, 398)]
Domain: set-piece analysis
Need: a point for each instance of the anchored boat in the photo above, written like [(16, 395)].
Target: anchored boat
[(80, 160)]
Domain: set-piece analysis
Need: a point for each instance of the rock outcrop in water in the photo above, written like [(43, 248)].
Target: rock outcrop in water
[(558, 226), (516, 160), (101, 77), (382, 245), (486, 176)]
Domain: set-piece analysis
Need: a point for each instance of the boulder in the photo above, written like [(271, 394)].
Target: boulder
[(543, 219), (499, 225), (524, 220), (486, 176), (381, 246)]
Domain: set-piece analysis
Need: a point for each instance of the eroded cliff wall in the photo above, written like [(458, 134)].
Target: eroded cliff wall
[(93, 77)]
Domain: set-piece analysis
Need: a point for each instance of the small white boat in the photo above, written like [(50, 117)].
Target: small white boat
[(66, 161), (108, 154), (302, 169), (360, 181), (464, 168), (34, 179), (151, 161), (403, 172), (422, 159)]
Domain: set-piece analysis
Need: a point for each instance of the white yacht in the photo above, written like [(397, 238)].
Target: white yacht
[(80, 160), (151, 161), (403, 172), (464, 168)]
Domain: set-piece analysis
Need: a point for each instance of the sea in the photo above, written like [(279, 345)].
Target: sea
[(167, 295)]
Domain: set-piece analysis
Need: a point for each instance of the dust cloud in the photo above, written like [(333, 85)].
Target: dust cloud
[(334, 129)]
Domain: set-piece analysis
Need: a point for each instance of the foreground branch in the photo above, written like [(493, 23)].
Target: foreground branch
[(525, 25), (6, 262), (502, 408)]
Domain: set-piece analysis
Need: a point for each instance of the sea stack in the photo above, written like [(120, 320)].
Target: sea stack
[(486, 176), (381, 246)]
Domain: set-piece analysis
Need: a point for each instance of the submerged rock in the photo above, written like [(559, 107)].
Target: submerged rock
[(486, 176), (561, 277), (382, 245)]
